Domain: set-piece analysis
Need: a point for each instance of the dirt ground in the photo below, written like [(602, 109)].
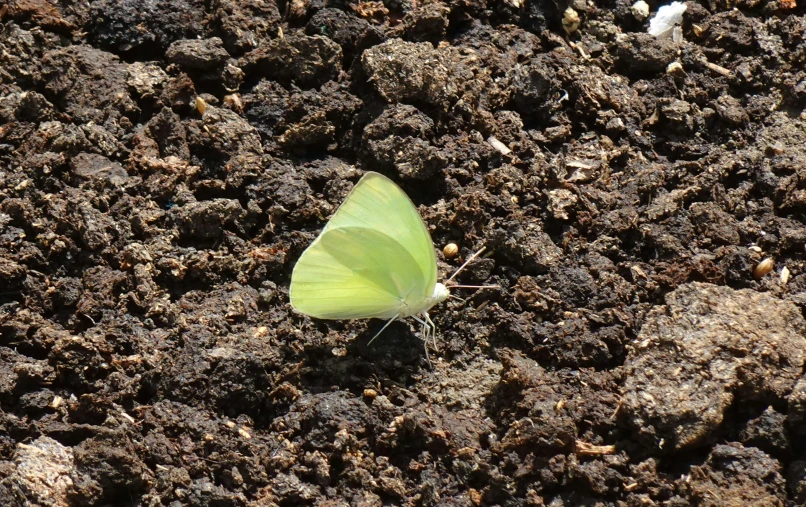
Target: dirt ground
[(163, 163)]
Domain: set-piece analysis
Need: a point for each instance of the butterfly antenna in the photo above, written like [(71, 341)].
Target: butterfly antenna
[(383, 328), (468, 261)]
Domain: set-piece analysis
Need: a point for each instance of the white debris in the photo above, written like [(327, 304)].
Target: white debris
[(498, 145), (640, 10), (675, 68), (662, 25), (570, 21)]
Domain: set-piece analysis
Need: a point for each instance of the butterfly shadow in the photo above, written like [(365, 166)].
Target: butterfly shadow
[(392, 359), (398, 344)]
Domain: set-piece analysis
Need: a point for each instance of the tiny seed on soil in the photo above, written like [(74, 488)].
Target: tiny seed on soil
[(784, 275), (201, 105), (763, 268), (450, 250)]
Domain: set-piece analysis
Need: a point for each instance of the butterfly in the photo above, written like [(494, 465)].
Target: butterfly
[(373, 259)]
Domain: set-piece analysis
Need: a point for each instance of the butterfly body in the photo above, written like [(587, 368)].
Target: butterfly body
[(413, 307)]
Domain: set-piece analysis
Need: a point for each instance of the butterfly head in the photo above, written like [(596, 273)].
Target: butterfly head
[(440, 294)]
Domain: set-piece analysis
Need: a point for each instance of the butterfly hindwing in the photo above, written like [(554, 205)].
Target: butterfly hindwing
[(374, 252)]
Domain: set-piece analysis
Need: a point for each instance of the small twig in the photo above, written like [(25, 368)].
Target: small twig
[(717, 68)]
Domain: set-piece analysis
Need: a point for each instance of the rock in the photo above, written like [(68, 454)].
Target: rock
[(308, 62), (244, 25), (796, 413), (730, 110), (768, 433), (707, 348), (796, 481), (197, 54), (736, 476), (90, 84), (207, 219), (351, 32), (146, 79), (395, 142), (144, 25), (11, 273), (641, 52), (531, 250), (107, 466), (640, 10), (405, 72), (42, 472), (91, 166)]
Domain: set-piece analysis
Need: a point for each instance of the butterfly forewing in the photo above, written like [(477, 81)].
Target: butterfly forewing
[(377, 203), (374, 252)]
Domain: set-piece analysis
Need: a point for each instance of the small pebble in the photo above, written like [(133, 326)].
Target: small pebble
[(675, 69), (234, 102), (570, 21), (640, 10), (498, 145)]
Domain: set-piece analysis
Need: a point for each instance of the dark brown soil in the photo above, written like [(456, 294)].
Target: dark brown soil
[(643, 201)]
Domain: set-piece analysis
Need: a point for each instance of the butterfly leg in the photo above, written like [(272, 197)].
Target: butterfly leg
[(426, 330), (382, 329), (425, 327), (433, 329)]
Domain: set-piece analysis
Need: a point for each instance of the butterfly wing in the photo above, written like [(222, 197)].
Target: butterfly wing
[(373, 254), (377, 203)]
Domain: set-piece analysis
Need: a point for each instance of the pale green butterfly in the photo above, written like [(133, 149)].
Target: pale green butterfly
[(373, 259)]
